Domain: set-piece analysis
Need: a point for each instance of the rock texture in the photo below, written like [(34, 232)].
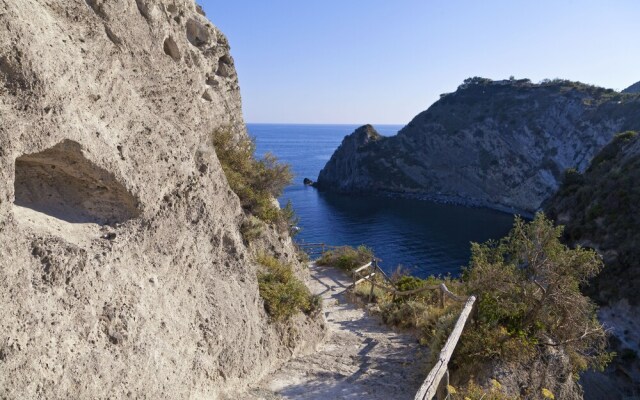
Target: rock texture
[(635, 88), (499, 144), (122, 269), (601, 209)]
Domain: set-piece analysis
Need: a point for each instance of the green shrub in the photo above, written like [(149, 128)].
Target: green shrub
[(289, 218), (405, 314), (377, 296), (626, 136), (528, 297), (256, 182), (346, 258), (475, 392), (528, 288), (251, 229), (405, 283), (284, 295)]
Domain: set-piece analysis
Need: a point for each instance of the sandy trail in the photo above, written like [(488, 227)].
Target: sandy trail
[(359, 358)]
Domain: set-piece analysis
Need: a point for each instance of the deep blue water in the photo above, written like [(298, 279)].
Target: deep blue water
[(424, 237)]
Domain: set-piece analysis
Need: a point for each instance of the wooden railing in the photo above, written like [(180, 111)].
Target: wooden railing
[(314, 249), (436, 383)]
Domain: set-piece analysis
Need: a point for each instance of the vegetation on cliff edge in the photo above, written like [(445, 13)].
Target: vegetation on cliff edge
[(257, 182), (346, 257), (284, 295), (529, 303), (601, 208)]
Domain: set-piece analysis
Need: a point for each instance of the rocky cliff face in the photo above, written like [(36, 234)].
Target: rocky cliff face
[(499, 144), (122, 269), (635, 88), (346, 158), (601, 209)]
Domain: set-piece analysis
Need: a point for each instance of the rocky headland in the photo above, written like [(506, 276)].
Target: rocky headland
[(123, 271), (498, 144)]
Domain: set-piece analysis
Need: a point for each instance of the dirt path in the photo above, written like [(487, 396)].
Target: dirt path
[(360, 357)]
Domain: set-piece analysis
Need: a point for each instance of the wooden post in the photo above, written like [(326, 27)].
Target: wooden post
[(371, 293), (443, 389), (430, 385), (375, 269), (441, 297)]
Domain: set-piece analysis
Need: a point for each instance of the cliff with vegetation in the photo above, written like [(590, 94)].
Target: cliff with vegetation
[(126, 268), (601, 209), (499, 144)]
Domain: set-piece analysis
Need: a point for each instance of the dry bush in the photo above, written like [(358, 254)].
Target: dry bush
[(256, 182), (528, 288), (284, 295), (346, 258)]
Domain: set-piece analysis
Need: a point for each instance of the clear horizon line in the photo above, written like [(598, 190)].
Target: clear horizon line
[(322, 123)]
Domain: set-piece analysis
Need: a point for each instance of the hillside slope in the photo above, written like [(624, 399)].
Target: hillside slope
[(123, 272), (499, 144), (601, 209), (635, 88)]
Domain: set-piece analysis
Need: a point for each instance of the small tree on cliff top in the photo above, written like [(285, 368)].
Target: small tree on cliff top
[(528, 287)]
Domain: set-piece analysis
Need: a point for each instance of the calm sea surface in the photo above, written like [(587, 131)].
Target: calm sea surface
[(424, 237)]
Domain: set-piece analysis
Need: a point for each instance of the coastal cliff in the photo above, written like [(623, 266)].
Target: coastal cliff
[(498, 144), (600, 209), (123, 270)]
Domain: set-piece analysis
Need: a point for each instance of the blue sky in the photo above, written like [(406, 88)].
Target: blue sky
[(384, 61)]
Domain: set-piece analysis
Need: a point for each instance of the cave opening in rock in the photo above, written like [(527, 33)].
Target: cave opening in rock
[(171, 48), (62, 183)]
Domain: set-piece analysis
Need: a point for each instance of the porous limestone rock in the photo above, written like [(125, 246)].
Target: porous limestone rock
[(498, 144), (122, 268)]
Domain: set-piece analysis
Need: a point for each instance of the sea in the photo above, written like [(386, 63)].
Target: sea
[(423, 238)]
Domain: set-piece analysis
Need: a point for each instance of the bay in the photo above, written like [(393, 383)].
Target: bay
[(426, 238)]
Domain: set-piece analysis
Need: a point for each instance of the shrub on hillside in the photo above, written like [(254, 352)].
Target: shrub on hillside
[(528, 289), (346, 258), (251, 229), (256, 182), (284, 295)]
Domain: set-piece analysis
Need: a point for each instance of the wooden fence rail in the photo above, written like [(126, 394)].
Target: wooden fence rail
[(434, 385), (433, 381), (437, 382)]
